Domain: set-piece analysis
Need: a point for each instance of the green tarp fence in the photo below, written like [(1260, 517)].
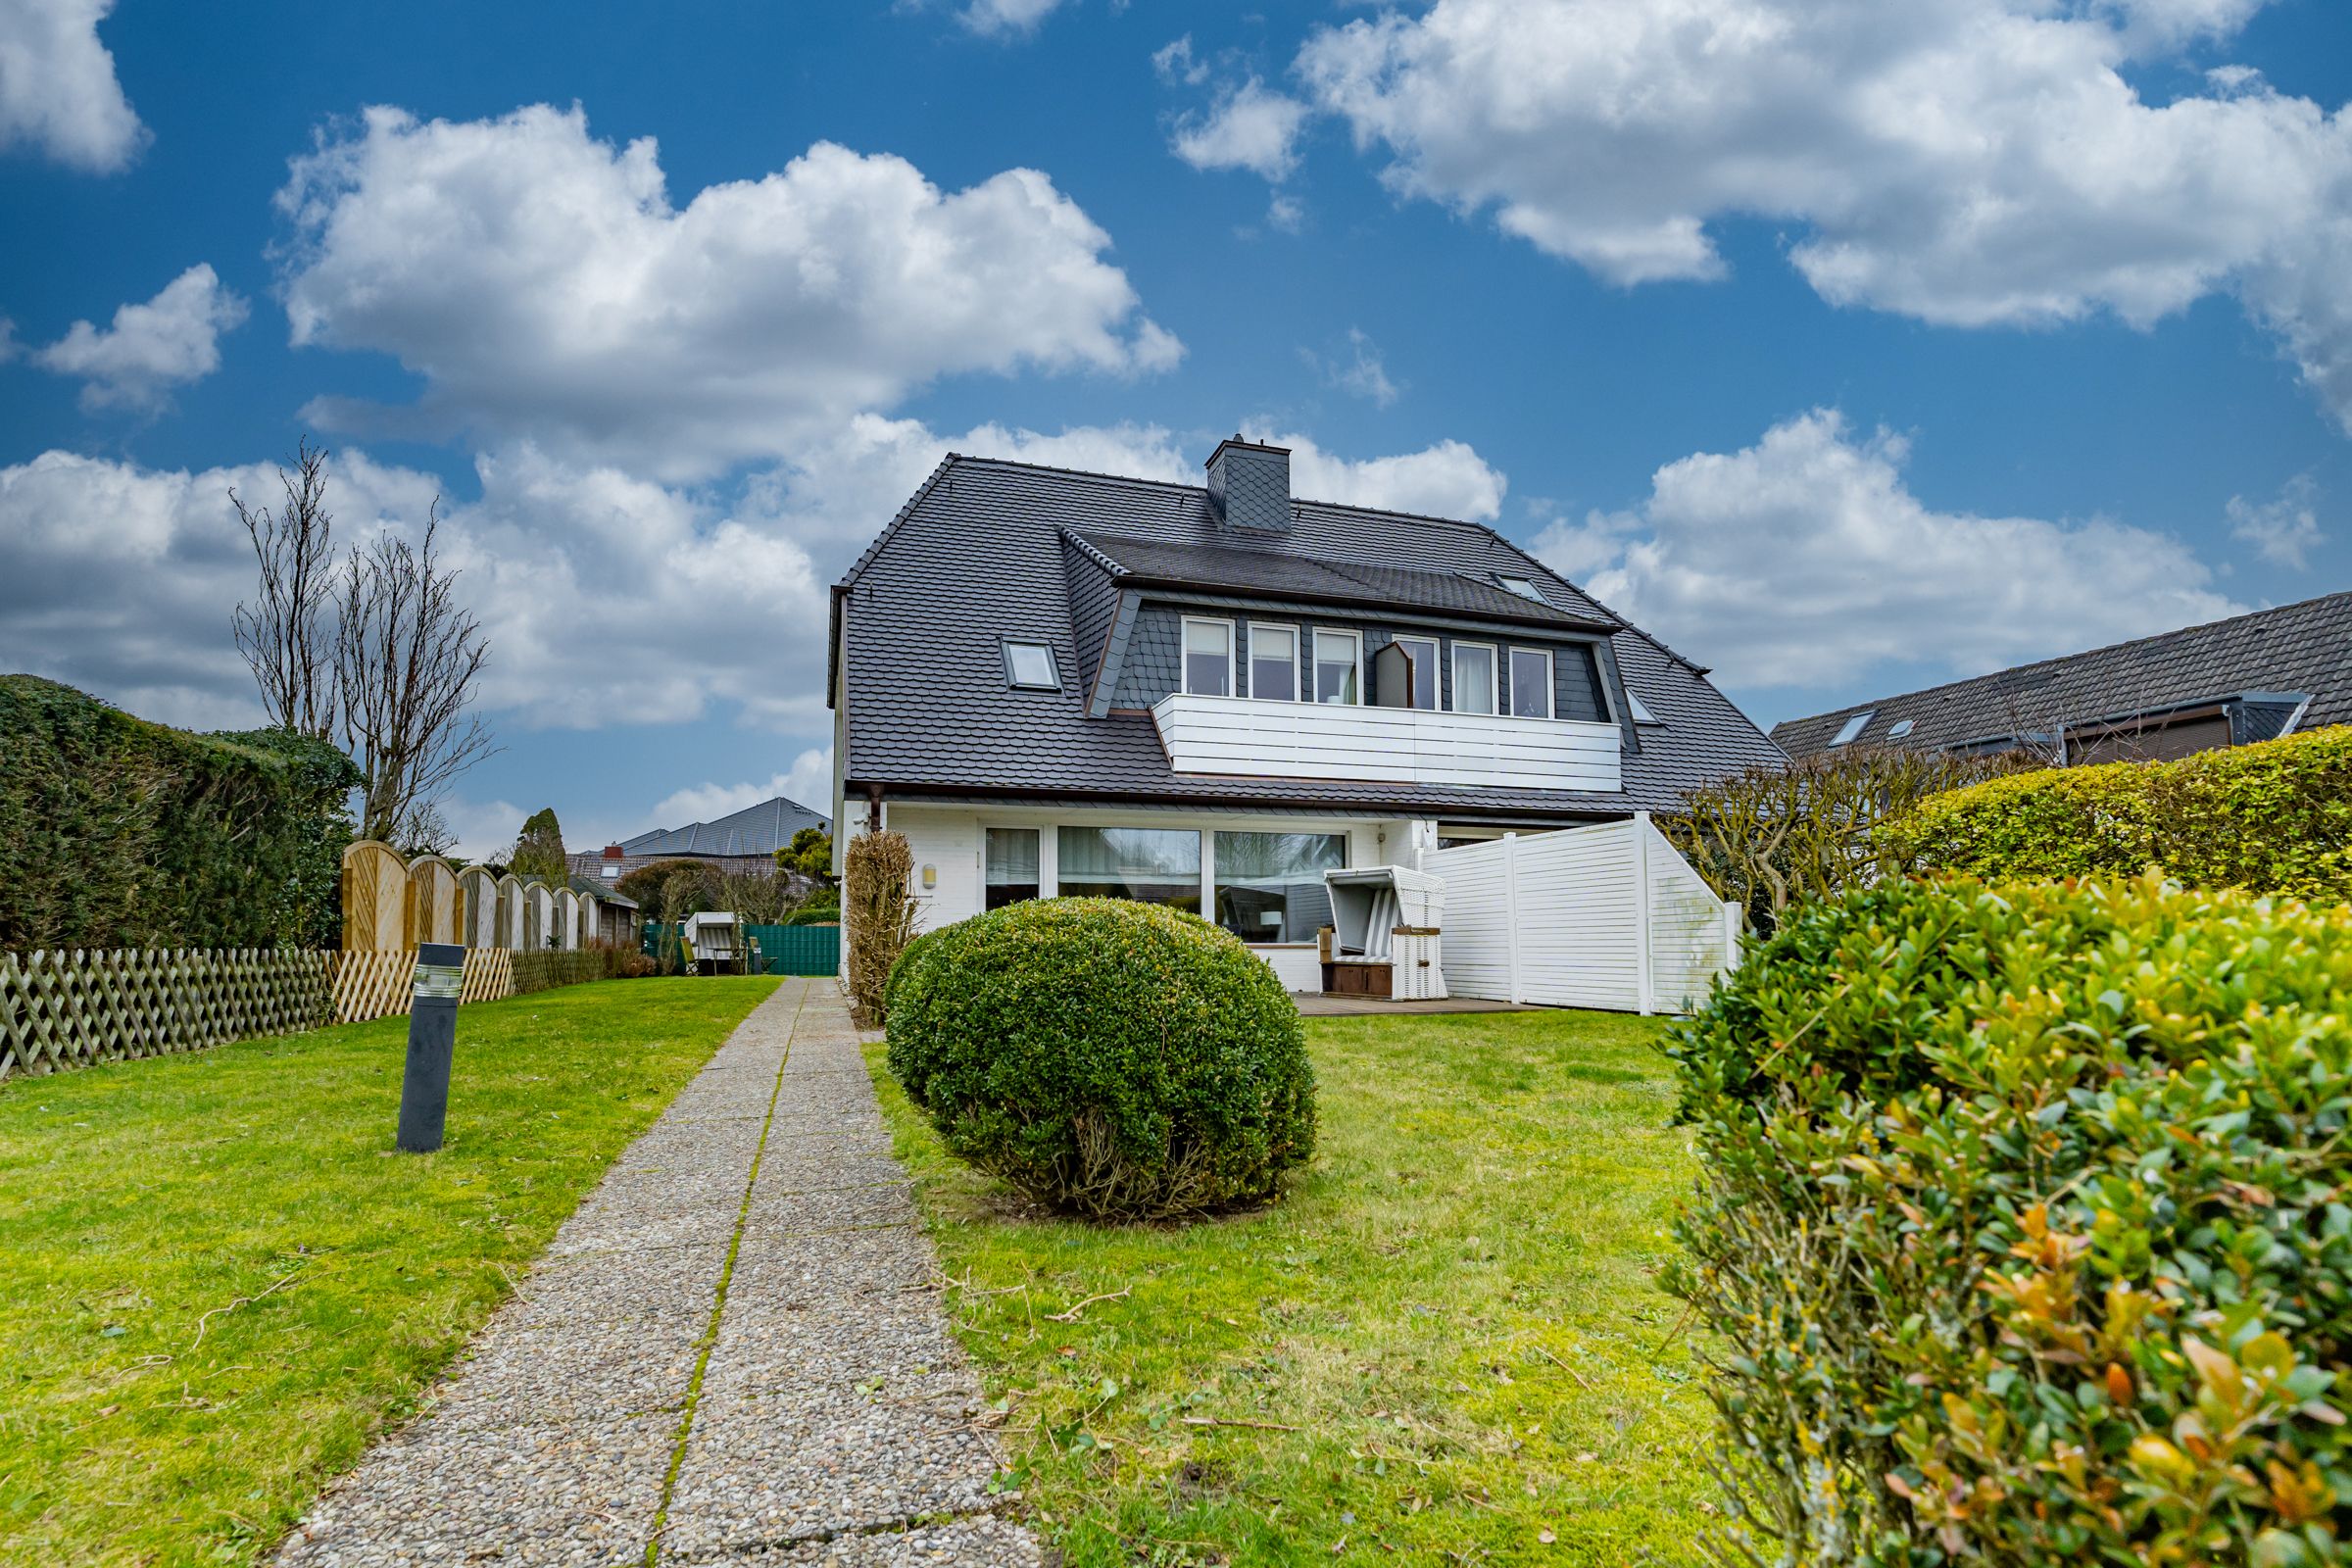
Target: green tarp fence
[(783, 948)]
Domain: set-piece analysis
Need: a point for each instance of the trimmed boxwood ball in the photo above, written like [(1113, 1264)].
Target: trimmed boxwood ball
[(1113, 1060)]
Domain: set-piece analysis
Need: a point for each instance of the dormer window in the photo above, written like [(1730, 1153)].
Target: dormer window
[(1524, 587), (1208, 657), (1029, 666), (1852, 728)]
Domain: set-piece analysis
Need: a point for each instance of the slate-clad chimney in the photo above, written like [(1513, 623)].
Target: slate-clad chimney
[(1249, 486)]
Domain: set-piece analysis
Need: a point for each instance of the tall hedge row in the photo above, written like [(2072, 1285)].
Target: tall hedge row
[(2024, 1234), (2273, 817), (123, 833)]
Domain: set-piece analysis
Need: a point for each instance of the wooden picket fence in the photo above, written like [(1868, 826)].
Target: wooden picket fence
[(71, 1009), (63, 1009)]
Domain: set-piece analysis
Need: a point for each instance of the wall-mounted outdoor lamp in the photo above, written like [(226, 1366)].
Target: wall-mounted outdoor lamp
[(930, 877)]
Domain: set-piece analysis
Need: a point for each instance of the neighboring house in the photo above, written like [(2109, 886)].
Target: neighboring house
[(2248, 678), (612, 917), (743, 842), (1064, 682)]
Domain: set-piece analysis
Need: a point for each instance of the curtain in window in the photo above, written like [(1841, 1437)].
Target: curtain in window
[(1270, 885), (1011, 865), (1207, 658), (1472, 679), (1150, 866), (1336, 658)]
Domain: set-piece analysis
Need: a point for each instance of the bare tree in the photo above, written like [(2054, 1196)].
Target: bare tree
[(284, 635), (407, 657)]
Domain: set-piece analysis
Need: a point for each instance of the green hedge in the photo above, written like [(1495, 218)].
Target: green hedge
[(2273, 817), (124, 834), (1114, 1059), (2024, 1234)]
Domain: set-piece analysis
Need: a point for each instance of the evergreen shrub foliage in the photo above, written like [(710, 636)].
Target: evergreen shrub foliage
[(121, 833), (2023, 1233), (1112, 1060), (2272, 817)]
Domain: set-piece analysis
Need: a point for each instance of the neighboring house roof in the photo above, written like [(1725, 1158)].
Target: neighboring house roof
[(2295, 651), (602, 892), (989, 550), (755, 830)]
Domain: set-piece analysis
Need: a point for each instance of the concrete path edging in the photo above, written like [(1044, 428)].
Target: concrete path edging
[(731, 1352)]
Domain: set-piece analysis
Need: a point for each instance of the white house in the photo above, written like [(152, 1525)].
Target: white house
[(1056, 682)]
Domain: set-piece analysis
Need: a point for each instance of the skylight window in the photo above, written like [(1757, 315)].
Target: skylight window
[(1853, 727), (1030, 666), (1641, 715), (1902, 728), (1524, 587)]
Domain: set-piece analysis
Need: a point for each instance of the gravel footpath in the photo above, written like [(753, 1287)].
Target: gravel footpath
[(730, 1354)]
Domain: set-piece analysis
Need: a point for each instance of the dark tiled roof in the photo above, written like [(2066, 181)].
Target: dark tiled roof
[(2304, 648), (1222, 567), (760, 829), (978, 555)]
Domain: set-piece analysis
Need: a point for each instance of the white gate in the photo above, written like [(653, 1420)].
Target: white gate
[(1610, 917)]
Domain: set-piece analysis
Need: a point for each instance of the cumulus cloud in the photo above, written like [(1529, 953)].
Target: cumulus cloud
[(603, 593), (1360, 371), (1806, 559), (58, 91), (172, 340), (809, 781), (543, 286), (1249, 127), (2283, 531), (1175, 62), (1965, 161)]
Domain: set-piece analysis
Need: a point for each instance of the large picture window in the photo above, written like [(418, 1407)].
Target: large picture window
[(1149, 864), (1208, 658), (1011, 869), (1270, 885)]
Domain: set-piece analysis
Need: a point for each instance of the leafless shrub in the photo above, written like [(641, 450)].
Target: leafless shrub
[(880, 915)]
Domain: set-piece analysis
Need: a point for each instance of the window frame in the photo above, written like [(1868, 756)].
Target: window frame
[(1282, 628), (1551, 675), (1533, 592), (1902, 731), (1184, 656), (1045, 846), (1355, 641), (1638, 709), (1436, 654), (1212, 877), (1851, 730), (1012, 677), (1493, 653)]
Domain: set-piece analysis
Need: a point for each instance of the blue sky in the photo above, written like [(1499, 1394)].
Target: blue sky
[(1845, 349)]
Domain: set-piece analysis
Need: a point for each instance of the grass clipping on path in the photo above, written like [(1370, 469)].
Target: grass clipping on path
[(1444, 1345), (218, 1282)]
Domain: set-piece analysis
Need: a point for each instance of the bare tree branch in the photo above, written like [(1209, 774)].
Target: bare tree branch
[(284, 636), (407, 657)]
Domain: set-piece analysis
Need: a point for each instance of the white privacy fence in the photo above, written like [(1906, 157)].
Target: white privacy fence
[(1610, 917)]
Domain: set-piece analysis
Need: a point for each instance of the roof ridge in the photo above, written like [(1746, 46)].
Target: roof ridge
[(2064, 658)]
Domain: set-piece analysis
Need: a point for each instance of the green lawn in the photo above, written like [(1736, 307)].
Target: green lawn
[(1448, 1334), (217, 1280)]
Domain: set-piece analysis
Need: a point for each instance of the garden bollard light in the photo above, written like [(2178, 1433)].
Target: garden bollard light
[(432, 1041)]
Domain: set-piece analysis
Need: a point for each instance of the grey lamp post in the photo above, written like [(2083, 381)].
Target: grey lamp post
[(432, 1041)]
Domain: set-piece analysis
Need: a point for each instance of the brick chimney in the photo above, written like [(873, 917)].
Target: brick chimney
[(1250, 487)]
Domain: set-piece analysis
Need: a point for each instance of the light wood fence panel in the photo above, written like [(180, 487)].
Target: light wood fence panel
[(434, 902), (478, 894), (375, 898), (509, 911), (68, 1010)]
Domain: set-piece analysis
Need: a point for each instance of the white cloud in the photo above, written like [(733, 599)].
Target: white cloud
[(1248, 127), (57, 90), (1965, 161), (1362, 372), (2283, 532), (809, 781), (1805, 561), (997, 17), (170, 340), (544, 288), (1174, 63)]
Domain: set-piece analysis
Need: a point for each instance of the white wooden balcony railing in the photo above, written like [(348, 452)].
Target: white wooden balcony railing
[(1241, 736)]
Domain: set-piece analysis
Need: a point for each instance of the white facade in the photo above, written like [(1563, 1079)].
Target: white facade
[(948, 842), (1252, 738)]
